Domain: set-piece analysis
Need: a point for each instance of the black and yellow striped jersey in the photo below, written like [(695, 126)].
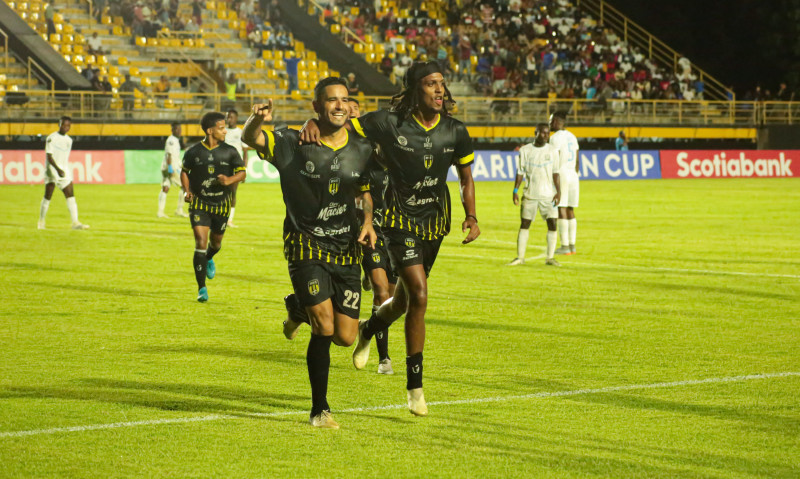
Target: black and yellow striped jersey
[(417, 160), (319, 185), (203, 164), (378, 183)]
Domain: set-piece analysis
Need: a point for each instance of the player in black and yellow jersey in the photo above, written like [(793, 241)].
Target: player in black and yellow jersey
[(209, 170), (320, 185), (419, 142), (380, 276)]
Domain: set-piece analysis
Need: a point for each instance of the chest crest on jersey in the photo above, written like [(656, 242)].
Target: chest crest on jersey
[(428, 159), (335, 164), (428, 143), (333, 185), (210, 169)]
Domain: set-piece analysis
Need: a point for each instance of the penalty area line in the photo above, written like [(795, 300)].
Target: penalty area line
[(540, 395)]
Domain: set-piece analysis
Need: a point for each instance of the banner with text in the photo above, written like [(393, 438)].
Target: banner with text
[(595, 165), (96, 166), (144, 166), (729, 164)]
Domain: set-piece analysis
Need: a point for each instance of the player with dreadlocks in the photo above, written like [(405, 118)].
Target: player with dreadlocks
[(419, 141)]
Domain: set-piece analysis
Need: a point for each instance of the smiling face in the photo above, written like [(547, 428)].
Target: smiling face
[(355, 110), (333, 106), (431, 92)]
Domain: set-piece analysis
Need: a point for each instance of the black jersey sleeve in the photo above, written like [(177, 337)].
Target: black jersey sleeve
[(464, 154), (280, 146), (189, 160), (371, 125)]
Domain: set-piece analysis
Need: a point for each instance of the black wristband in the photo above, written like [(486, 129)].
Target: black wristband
[(471, 216)]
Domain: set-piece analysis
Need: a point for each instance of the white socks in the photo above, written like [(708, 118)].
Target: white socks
[(551, 244), (162, 202), (181, 197), (563, 231), (573, 231), (230, 216), (43, 209), (522, 242), (72, 206)]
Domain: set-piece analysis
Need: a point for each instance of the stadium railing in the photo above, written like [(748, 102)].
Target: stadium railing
[(144, 107)]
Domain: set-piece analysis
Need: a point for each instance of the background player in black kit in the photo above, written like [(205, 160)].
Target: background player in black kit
[(419, 142), (320, 184), (209, 169)]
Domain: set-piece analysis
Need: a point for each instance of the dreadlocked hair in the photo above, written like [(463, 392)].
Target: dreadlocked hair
[(407, 102)]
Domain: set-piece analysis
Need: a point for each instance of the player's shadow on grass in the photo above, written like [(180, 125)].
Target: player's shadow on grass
[(704, 288), (164, 396), (293, 359), (31, 266), (95, 289), (505, 328)]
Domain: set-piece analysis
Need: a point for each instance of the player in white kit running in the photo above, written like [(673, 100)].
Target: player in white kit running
[(567, 145), (538, 163), (234, 138), (57, 173), (171, 172)]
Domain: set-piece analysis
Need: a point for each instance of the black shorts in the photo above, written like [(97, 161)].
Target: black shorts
[(378, 258), (407, 249), (316, 281), (217, 223)]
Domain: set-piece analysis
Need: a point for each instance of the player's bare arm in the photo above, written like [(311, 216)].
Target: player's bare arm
[(52, 162), (251, 133), (367, 235), (468, 200), (232, 180), (557, 183), (515, 195), (185, 184), (577, 161)]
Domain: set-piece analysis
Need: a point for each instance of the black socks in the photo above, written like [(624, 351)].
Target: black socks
[(414, 371), (200, 261), (211, 252), (318, 359), (381, 339)]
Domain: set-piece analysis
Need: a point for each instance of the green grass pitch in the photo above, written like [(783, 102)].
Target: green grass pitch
[(110, 368)]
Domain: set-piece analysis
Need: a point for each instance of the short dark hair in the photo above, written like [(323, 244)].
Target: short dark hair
[(233, 111), (174, 124), (326, 82), (541, 125), (210, 119), (64, 118), (354, 100), (560, 114)]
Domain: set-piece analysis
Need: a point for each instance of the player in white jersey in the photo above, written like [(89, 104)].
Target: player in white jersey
[(57, 173), (538, 163), (567, 145), (171, 172), (234, 138)]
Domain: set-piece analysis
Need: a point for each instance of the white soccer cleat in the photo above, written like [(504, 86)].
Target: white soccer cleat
[(552, 262), (80, 226), (161, 214), (563, 250), (516, 262), (290, 328), (181, 213), (231, 225), (40, 225), (361, 353), (324, 420), (416, 402), (385, 367)]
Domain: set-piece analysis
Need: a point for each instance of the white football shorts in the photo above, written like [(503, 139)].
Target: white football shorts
[(570, 191), (528, 209)]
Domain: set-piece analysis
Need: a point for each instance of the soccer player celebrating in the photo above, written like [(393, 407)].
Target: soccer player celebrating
[(209, 169), (320, 185), (171, 172), (419, 142), (567, 146), (234, 138), (539, 164), (57, 173)]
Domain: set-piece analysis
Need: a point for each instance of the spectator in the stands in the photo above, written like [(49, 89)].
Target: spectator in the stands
[(49, 15), (783, 93), (127, 89), (621, 142), (464, 56), (197, 12), (352, 84), (162, 86), (292, 63), (230, 87), (387, 64), (94, 45)]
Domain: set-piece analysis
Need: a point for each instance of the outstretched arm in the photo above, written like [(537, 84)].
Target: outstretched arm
[(251, 133), (468, 200)]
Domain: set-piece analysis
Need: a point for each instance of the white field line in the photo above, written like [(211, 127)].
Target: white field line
[(521, 397)]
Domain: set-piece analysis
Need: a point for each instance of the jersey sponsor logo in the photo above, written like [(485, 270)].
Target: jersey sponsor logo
[(376, 257), (406, 148), (309, 167), (313, 287), (210, 169), (335, 164), (413, 201), (402, 140), (449, 150), (333, 209), (410, 242), (428, 161), (333, 185), (427, 182), (725, 164), (222, 228), (428, 143), (410, 254)]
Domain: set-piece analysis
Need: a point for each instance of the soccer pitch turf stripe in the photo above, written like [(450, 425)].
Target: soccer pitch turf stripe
[(688, 270), (540, 395)]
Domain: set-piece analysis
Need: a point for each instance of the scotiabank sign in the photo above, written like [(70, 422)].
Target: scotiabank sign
[(25, 166), (729, 164)]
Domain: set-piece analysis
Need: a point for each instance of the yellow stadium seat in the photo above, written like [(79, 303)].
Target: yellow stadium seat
[(302, 85), (359, 48), (67, 38), (55, 38), (296, 95), (68, 58), (78, 61), (102, 60), (114, 80), (80, 39), (34, 17), (233, 24), (59, 27), (283, 84), (134, 71), (261, 64), (272, 74), (119, 21), (222, 14), (211, 5), (66, 49), (279, 64), (188, 42), (380, 49), (68, 28), (91, 59), (200, 43), (312, 64), (336, 29), (311, 55), (267, 55), (147, 82), (105, 20), (35, 7), (152, 42), (175, 42), (122, 61), (169, 104), (322, 65), (302, 74), (116, 104), (400, 48), (58, 18), (354, 11), (117, 30), (78, 48), (264, 35), (141, 41), (299, 47), (113, 70)]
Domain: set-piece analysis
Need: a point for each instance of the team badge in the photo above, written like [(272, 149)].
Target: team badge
[(196, 218), (313, 287), (333, 185), (309, 167), (428, 161), (402, 140), (210, 169), (410, 242), (335, 165), (428, 143), (376, 257)]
